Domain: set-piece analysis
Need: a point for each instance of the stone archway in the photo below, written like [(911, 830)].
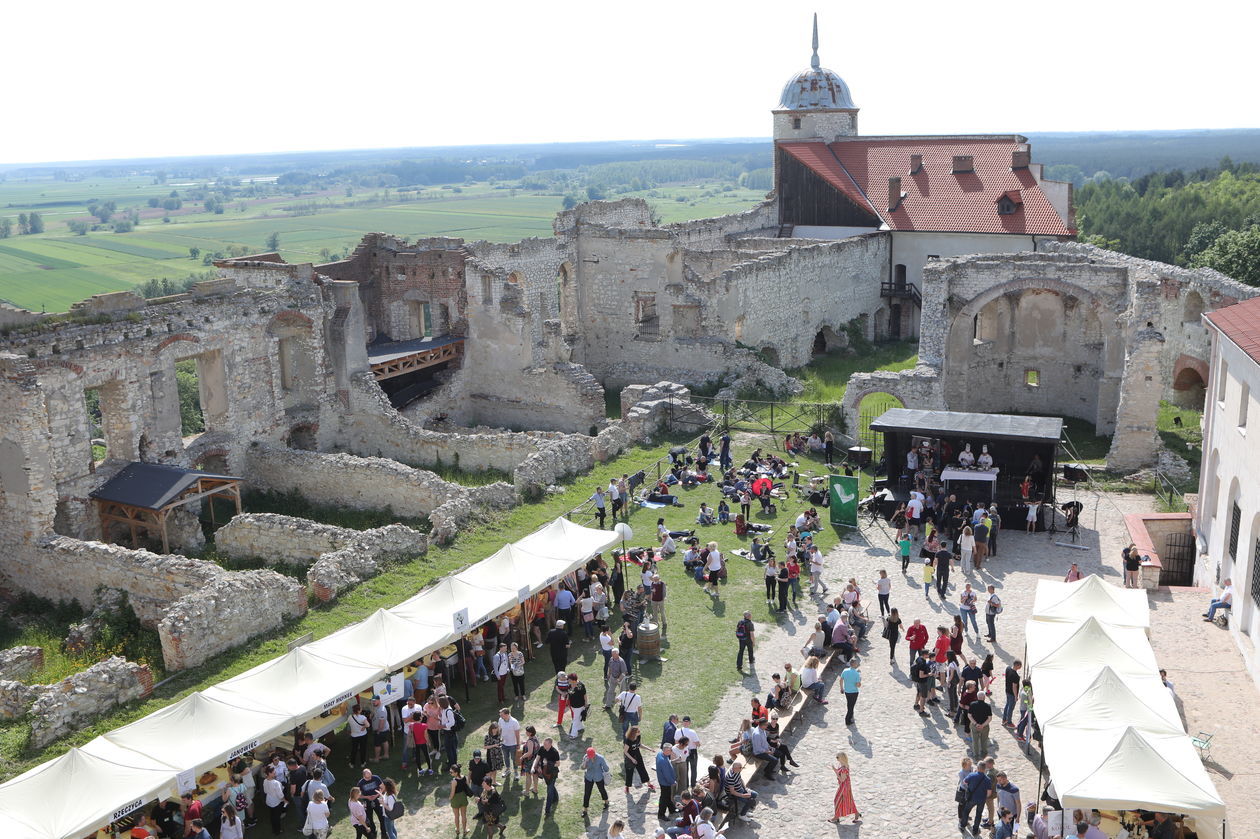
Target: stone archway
[(1190, 377)]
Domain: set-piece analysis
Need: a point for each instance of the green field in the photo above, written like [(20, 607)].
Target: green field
[(52, 270)]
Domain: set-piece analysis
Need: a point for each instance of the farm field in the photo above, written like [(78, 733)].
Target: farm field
[(52, 270)]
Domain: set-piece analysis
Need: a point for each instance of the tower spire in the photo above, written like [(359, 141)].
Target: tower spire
[(813, 62)]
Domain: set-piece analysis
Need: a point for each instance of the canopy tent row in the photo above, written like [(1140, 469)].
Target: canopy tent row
[(1112, 736), (123, 770)]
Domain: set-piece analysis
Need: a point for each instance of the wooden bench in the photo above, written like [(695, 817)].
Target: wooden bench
[(753, 767)]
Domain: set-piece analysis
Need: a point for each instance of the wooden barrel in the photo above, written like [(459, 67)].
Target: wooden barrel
[(648, 642)]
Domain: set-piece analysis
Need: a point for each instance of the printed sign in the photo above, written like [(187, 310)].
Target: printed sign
[(335, 701), (523, 594), (460, 621), (186, 781), (242, 749), (844, 498), (130, 808), (390, 690)]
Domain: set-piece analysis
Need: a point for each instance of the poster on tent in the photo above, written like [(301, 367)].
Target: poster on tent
[(844, 493), (186, 781), (389, 690), (460, 621)]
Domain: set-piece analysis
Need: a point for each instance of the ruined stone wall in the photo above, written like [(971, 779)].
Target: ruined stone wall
[(530, 272), (17, 663), (710, 233), (78, 700), (275, 538)]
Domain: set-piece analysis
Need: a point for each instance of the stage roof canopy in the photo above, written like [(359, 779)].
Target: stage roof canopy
[(954, 424)]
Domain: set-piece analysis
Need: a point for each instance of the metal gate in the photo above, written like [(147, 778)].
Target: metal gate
[(773, 417), (1177, 559)]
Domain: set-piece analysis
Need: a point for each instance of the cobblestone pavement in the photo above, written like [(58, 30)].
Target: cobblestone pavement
[(904, 766)]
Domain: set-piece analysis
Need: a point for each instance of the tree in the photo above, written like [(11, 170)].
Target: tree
[(1236, 254), (193, 253), (1202, 237), (570, 201), (191, 420), (273, 242), (35, 222), (78, 227), (124, 225), (24, 224), (104, 211), (6, 228)]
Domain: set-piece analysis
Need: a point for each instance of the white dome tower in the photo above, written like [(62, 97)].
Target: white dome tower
[(815, 104)]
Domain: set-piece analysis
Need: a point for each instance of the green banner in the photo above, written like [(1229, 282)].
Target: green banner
[(844, 500)]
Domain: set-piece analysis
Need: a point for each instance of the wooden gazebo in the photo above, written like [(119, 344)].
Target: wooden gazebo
[(142, 495)]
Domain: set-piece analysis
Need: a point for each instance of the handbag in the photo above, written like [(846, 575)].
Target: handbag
[(397, 811), (960, 795)]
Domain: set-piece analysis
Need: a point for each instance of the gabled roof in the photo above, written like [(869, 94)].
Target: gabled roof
[(1240, 323), (937, 198), (151, 486)]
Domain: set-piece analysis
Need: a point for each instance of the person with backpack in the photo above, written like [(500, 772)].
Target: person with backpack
[(991, 611), (358, 727), (745, 634), (390, 808), (450, 723)]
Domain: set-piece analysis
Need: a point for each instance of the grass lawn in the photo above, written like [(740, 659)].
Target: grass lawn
[(699, 650), (826, 377)]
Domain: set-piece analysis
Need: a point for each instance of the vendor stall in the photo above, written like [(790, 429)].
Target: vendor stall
[(1091, 597)]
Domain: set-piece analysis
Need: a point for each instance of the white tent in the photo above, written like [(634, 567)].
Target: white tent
[(1128, 769), (440, 604), (1110, 703), (1085, 648), (196, 732), (384, 639), (298, 683), (564, 539), (72, 795), (1090, 597), (531, 572)]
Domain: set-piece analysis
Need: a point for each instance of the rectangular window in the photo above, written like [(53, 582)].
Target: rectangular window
[(644, 307), (1235, 522), (1244, 400), (1032, 378), (1222, 379), (1255, 575), (487, 289), (796, 123)]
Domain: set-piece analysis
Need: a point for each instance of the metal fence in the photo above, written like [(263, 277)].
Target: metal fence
[(584, 513), (774, 417)]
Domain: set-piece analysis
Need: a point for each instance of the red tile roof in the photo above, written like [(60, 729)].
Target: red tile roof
[(936, 198), (1240, 323)]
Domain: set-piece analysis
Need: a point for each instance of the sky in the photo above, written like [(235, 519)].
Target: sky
[(94, 80)]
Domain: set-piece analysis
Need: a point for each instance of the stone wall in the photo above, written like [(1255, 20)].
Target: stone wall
[(234, 608), (18, 663), (81, 699), (917, 388)]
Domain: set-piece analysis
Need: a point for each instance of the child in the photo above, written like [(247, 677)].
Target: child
[(903, 544), (928, 568)]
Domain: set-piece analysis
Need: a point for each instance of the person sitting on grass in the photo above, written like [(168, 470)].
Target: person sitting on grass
[(705, 516), (723, 512)]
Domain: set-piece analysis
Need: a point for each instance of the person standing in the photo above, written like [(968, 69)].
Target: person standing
[(967, 548), (903, 547), (980, 715), (686, 732), (816, 571), (631, 705), (745, 634), (358, 726), (577, 706), (980, 532), (499, 665), (458, 796), (371, 788), (1012, 680), (510, 732), (829, 447), (844, 803), (967, 608), (921, 675), (547, 765), (993, 608), (976, 788), (598, 500), (851, 677), (1132, 558), (666, 777), (917, 638), (929, 564), (273, 791), (1073, 574), (614, 495), (632, 751), (995, 524), (657, 603), (558, 643), (713, 565), (614, 674), (892, 633), (565, 601), (358, 815), (943, 558), (594, 768), (883, 590), (516, 667), (389, 796), (784, 580)]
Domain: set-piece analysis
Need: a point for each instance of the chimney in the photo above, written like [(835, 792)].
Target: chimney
[(916, 164), (1021, 158), (963, 163), (894, 193)]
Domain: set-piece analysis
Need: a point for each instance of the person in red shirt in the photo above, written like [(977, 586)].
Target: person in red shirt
[(192, 810), (794, 578), (941, 647), (917, 638)]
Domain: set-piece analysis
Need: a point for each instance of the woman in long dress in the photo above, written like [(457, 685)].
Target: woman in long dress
[(845, 805)]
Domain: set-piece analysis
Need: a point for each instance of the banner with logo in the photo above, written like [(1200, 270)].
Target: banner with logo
[(844, 500)]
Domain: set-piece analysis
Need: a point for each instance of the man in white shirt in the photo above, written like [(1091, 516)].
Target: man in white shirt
[(693, 746), (1225, 601), (632, 704), (510, 731), (815, 570), (714, 567), (914, 513)]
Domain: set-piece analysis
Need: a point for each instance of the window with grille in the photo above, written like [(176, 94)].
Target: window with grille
[(1255, 575), (1234, 523)]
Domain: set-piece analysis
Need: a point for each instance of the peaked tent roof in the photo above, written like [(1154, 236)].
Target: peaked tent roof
[(515, 564), (1134, 769), (74, 794), (1112, 702), (937, 198), (384, 639), (151, 486), (198, 730), (563, 538), (436, 605), (1088, 647), (1091, 597), (298, 683)]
